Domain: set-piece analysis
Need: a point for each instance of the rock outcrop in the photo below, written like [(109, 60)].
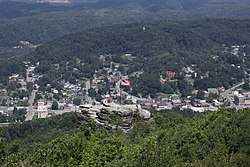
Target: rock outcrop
[(114, 115)]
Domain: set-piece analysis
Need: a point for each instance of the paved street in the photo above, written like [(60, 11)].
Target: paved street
[(31, 109), (88, 86), (226, 94)]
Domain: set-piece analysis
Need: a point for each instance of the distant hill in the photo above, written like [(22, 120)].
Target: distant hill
[(51, 21), (10, 9), (171, 4)]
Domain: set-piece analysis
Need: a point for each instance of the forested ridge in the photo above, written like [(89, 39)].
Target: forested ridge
[(51, 21), (220, 138)]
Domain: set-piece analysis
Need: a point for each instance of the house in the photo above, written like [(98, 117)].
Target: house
[(212, 90), (206, 93), (154, 104), (216, 103), (195, 109), (23, 85), (175, 100), (3, 90), (164, 104), (61, 105), (170, 74), (14, 77), (247, 101), (42, 109), (176, 103), (146, 104)]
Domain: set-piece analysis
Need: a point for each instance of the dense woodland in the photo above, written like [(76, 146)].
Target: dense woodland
[(219, 138), (51, 21)]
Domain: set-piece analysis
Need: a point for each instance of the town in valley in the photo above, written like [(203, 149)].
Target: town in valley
[(31, 95)]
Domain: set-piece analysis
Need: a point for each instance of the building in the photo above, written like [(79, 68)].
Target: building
[(239, 99), (247, 101), (164, 104), (171, 74), (23, 85), (175, 99), (213, 91), (42, 111), (195, 109)]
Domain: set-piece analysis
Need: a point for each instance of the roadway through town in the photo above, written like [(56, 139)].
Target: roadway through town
[(88, 86), (226, 93), (31, 109)]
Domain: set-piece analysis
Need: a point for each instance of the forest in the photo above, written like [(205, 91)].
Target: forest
[(220, 138), (52, 21)]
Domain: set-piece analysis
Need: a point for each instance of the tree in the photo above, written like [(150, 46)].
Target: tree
[(166, 88), (19, 114), (3, 144), (200, 94), (4, 102), (56, 85), (77, 101), (209, 99), (91, 92), (3, 118), (246, 86), (98, 98), (54, 105), (72, 80), (43, 81), (56, 96)]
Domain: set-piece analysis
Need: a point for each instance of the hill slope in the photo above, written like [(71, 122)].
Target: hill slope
[(157, 47), (50, 21), (173, 138)]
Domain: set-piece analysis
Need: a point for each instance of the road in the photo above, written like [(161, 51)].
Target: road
[(6, 124), (234, 87), (226, 94), (31, 109), (88, 86)]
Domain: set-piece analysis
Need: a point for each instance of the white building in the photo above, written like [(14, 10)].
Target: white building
[(42, 109)]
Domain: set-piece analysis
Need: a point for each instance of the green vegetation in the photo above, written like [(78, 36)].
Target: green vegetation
[(54, 105), (77, 101), (219, 138), (161, 46), (156, 48), (41, 130), (49, 21)]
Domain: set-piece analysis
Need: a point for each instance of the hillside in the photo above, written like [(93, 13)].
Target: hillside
[(50, 21), (156, 47), (10, 9), (170, 138)]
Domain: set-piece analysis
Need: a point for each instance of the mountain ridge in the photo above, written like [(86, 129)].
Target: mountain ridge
[(51, 21)]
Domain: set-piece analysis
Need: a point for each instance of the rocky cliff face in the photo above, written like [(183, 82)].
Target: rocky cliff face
[(114, 115)]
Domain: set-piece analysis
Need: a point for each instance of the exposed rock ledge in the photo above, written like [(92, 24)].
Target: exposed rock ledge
[(114, 115)]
